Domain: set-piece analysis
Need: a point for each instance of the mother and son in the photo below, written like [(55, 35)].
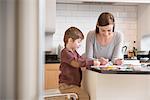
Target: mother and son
[(103, 44)]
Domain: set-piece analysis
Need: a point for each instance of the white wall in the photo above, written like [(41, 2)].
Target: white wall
[(48, 42), (84, 16)]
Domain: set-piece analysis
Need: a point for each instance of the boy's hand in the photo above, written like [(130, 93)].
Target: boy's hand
[(83, 68), (96, 62)]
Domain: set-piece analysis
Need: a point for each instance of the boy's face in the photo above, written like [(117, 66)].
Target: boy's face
[(76, 44)]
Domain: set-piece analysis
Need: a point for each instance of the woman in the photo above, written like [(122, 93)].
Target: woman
[(104, 43)]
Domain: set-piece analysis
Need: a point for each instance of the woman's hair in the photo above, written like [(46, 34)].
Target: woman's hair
[(73, 33), (105, 19)]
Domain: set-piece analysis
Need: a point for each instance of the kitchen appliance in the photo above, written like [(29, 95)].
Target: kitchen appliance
[(51, 58), (143, 54)]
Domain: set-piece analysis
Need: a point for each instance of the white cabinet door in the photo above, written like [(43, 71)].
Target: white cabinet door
[(143, 27), (119, 1), (50, 19)]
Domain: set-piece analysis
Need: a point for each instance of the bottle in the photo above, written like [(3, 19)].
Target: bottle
[(134, 49)]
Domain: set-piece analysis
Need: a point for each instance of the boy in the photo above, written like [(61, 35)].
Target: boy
[(71, 63)]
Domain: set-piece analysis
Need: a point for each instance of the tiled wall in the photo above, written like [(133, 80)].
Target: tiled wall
[(84, 16), (49, 42)]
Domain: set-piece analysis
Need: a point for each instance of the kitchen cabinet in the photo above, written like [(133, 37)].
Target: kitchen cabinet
[(51, 75), (50, 19), (143, 27), (107, 1)]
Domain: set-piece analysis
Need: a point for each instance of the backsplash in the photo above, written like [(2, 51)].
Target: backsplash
[(84, 16), (48, 42)]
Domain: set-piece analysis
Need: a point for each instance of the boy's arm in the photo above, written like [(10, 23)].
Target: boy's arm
[(68, 57), (81, 63), (74, 63)]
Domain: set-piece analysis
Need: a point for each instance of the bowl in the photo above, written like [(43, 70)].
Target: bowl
[(144, 59)]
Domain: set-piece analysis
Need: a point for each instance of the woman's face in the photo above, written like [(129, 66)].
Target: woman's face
[(106, 30)]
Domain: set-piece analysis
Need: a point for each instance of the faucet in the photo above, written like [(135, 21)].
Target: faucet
[(124, 49)]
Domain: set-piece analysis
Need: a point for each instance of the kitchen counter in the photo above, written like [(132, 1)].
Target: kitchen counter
[(113, 85), (118, 71), (52, 61), (51, 58)]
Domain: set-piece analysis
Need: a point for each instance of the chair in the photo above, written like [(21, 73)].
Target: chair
[(54, 94)]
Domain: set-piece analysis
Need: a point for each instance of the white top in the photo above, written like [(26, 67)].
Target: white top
[(110, 51)]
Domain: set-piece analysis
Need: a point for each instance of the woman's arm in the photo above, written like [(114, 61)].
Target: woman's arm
[(118, 54)]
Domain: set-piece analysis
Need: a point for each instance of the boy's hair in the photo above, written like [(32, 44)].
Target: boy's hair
[(73, 33)]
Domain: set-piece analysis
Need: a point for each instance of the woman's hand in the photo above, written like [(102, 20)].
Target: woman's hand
[(118, 61), (103, 61)]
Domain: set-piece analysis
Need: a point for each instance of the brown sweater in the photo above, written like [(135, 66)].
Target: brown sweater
[(72, 74)]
